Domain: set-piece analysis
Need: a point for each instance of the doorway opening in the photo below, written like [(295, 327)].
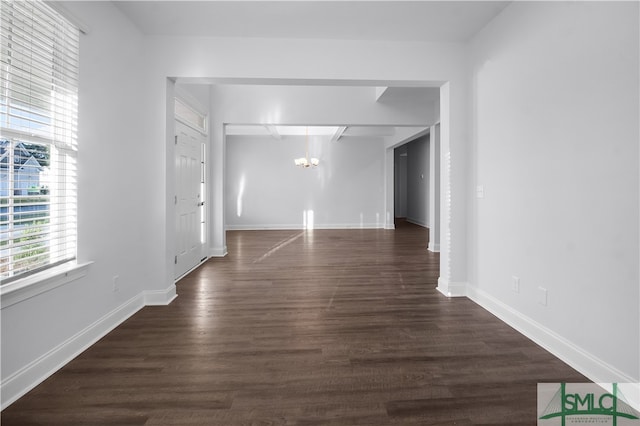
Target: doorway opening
[(221, 91), (417, 184)]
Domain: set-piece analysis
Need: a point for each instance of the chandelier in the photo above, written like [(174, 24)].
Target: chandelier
[(306, 161)]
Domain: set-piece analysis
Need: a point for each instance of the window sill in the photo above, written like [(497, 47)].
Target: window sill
[(36, 284)]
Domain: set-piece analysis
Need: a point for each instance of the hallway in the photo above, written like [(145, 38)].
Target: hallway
[(323, 327)]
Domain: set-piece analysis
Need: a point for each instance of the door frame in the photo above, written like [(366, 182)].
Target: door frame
[(202, 131)]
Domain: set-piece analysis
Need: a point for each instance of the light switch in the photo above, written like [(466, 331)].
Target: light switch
[(542, 296), (480, 191), (515, 284)]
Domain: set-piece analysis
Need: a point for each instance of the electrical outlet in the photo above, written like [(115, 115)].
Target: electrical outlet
[(116, 284), (515, 284), (480, 191), (542, 296)]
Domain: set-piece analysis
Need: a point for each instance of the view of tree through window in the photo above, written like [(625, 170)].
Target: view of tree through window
[(24, 204)]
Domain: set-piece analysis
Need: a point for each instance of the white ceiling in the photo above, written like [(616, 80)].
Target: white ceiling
[(437, 21)]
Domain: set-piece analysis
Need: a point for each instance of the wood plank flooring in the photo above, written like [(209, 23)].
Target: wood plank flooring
[(304, 328)]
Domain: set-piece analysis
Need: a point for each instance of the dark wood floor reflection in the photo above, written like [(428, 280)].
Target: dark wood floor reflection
[(304, 328)]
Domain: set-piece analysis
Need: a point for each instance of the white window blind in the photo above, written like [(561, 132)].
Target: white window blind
[(38, 143)]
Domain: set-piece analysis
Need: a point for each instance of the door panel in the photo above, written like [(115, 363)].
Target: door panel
[(189, 247)]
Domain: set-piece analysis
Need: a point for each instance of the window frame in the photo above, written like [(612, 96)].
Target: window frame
[(187, 114), (59, 62)]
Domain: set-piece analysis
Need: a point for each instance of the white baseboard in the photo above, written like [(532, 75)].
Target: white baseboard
[(218, 251), (417, 222), (390, 227), (38, 370), (434, 247), (265, 227), (160, 297), (298, 226), (587, 364), (34, 373), (451, 289)]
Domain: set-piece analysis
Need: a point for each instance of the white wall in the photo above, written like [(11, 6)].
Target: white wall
[(196, 96), (318, 104), (115, 228), (418, 181), (555, 120), (264, 188)]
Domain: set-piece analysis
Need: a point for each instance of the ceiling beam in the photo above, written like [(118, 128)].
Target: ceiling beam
[(245, 130), (273, 131), (380, 91), (338, 134), (370, 131)]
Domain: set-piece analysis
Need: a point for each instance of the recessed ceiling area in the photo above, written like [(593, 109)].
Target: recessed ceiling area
[(278, 131), (395, 104), (427, 21), (306, 130), (334, 133)]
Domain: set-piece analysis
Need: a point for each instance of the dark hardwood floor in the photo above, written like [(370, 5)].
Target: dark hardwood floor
[(304, 328)]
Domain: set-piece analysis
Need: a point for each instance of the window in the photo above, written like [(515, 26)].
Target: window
[(189, 116), (38, 146)]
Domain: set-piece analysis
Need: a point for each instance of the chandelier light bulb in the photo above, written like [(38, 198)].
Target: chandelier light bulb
[(305, 162)]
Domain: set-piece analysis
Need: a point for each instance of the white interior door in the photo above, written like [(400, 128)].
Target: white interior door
[(190, 207)]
